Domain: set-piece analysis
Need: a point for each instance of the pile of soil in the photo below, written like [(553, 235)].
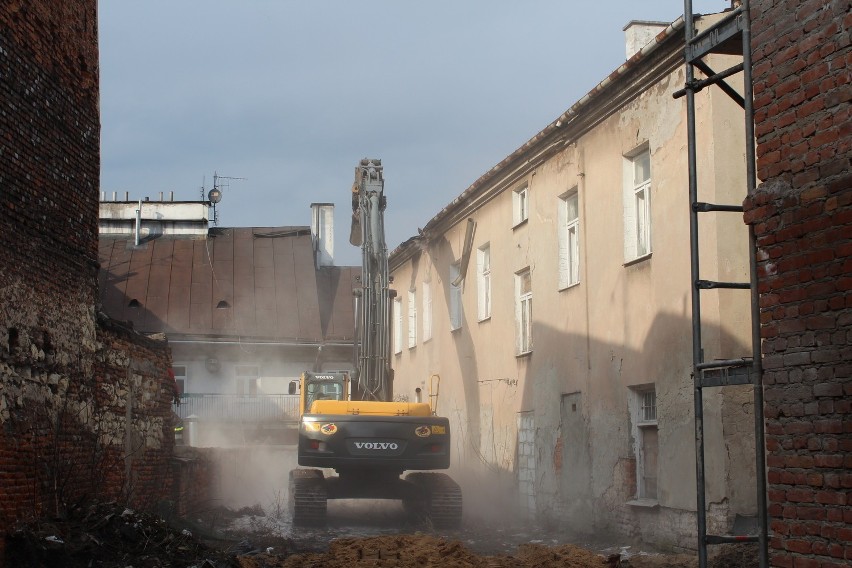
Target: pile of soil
[(411, 551)]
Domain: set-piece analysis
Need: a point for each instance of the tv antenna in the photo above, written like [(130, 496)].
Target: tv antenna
[(214, 196)]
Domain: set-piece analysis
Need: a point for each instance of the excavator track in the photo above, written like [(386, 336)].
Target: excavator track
[(442, 499), (307, 497)]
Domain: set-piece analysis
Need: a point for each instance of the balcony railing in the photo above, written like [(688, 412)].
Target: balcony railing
[(240, 408)]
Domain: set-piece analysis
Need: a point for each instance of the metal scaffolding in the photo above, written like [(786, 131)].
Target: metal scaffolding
[(730, 35)]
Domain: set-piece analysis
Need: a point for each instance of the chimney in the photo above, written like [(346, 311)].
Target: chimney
[(322, 233), (639, 33)]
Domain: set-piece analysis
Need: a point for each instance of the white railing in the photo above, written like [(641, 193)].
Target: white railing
[(240, 408)]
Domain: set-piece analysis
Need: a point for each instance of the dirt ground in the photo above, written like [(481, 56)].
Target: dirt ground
[(410, 551), (111, 536)]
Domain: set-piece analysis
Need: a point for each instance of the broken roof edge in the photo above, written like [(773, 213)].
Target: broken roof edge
[(555, 133)]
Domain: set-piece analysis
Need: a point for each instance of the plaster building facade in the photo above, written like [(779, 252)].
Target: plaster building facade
[(246, 310), (552, 300)]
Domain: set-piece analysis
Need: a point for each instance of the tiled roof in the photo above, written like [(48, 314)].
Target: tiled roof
[(239, 282)]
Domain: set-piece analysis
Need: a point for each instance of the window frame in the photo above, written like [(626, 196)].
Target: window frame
[(644, 421), (523, 312), (397, 325), (638, 222), (180, 377), (412, 318), (520, 204), (245, 380), (483, 282), (568, 240)]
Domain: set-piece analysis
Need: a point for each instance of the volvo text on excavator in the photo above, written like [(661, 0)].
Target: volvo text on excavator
[(350, 422)]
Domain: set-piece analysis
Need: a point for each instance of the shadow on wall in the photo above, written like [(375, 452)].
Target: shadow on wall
[(523, 434)]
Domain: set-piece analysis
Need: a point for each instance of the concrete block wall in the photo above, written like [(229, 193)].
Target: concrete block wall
[(802, 216)]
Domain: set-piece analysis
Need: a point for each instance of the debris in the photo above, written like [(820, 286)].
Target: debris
[(109, 536)]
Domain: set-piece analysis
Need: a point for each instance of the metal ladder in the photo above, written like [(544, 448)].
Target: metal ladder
[(730, 35)]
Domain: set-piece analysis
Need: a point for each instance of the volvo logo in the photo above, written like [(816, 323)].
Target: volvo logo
[(377, 445)]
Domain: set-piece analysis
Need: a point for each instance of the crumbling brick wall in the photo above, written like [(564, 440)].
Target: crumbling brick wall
[(802, 216), (85, 404), (70, 437), (132, 381)]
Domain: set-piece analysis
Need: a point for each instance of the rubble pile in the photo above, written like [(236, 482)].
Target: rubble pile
[(107, 535), (112, 536)]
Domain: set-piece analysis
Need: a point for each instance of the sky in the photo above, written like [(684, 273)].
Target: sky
[(291, 95)]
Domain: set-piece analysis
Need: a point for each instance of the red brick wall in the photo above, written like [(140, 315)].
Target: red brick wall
[(68, 379), (66, 439), (133, 368), (49, 145), (802, 215)]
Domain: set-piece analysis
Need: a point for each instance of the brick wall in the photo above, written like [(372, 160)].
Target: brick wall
[(132, 381), (85, 404), (802, 216), (49, 150), (70, 437)]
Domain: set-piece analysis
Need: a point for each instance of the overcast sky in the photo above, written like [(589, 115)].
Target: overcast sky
[(291, 95)]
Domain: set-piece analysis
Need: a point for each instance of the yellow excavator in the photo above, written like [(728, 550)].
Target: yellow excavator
[(350, 422)]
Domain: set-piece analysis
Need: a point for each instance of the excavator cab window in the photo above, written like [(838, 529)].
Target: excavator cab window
[(325, 390)]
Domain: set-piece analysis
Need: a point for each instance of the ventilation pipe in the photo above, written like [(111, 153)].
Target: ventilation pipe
[(322, 233), (138, 223)]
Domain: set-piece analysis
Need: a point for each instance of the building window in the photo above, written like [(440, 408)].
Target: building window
[(412, 318), (455, 299), (520, 204), (483, 282), (569, 239), (645, 440), (247, 379), (397, 325), (637, 205), (427, 311), (179, 372), (523, 287)]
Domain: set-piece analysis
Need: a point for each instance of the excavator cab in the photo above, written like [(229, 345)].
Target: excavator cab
[(333, 385)]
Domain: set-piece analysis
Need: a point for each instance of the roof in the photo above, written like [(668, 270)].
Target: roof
[(251, 283), (659, 57)]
